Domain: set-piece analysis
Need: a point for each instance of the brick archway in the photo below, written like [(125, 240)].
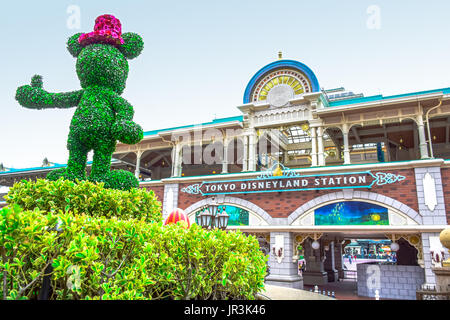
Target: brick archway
[(251, 207), (351, 194)]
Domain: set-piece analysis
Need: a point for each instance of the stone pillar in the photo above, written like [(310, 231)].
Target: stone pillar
[(345, 131), (329, 263), (338, 263), (252, 151), (174, 160), (313, 146), (137, 171), (170, 201), (283, 272), (177, 160), (314, 273), (422, 138), (320, 151), (245, 153), (430, 277), (430, 196), (225, 155)]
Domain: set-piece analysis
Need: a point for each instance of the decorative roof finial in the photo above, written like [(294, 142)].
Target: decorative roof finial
[(280, 55), (45, 163)]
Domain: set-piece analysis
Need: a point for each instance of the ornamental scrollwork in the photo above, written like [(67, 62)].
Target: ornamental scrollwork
[(193, 189), (383, 178)]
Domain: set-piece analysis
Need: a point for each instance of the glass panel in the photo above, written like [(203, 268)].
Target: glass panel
[(351, 213), (237, 216)]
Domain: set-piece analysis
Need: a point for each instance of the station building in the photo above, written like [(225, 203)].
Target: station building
[(307, 170)]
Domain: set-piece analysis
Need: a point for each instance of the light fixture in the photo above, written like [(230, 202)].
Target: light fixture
[(315, 245), (304, 127), (395, 246), (222, 219), (205, 218), (213, 217)]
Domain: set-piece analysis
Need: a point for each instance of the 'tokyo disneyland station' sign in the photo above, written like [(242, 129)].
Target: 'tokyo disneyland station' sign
[(281, 179)]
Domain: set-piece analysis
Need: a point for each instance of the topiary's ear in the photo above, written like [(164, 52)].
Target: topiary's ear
[(73, 45), (132, 46)]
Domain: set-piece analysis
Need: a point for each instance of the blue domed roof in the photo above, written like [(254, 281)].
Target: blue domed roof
[(277, 65)]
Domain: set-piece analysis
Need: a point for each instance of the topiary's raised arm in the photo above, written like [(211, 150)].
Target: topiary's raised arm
[(34, 97)]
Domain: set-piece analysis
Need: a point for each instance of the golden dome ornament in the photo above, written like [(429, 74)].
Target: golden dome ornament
[(277, 172), (444, 237)]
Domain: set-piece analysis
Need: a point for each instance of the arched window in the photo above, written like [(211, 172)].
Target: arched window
[(351, 213)]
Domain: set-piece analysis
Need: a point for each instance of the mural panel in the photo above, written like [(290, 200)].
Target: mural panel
[(238, 216), (351, 213)]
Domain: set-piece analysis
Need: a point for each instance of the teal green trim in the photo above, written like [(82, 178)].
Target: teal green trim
[(381, 97), (215, 121), (54, 166)]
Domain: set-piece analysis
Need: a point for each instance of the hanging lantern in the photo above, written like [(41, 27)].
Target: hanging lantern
[(222, 219), (176, 216), (204, 218), (315, 245), (395, 246)]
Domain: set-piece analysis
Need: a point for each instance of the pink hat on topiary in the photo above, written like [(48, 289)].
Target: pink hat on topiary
[(107, 29)]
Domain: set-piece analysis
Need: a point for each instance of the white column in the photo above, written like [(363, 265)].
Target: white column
[(245, 153), (138, 164), (321, 153), (283, 271), (174, 159), (177, 160), (422, 139), (180, 160), (313, 147), (252, 152), (345, 130), (225, 155)]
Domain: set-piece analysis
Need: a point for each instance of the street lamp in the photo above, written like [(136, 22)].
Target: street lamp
[(222, 219), (212, 217)]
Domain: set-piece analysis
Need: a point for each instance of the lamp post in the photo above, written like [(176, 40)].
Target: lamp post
[(212, 216)]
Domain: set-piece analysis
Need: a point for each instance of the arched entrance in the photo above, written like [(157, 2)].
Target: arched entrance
[(357, 242)]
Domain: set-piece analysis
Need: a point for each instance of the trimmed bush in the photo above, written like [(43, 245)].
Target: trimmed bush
[(85, 197), (95, 257)]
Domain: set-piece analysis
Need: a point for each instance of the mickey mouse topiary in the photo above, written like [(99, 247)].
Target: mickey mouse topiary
[(102, 116)]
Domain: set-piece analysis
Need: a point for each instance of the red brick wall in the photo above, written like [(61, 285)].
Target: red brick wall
[(445, 175), (159, 192), (282, 204)]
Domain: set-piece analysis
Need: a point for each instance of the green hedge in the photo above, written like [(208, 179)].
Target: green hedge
[(85, 197), (96, 257)]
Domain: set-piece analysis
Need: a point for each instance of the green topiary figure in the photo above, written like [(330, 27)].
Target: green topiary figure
[(102, 115)]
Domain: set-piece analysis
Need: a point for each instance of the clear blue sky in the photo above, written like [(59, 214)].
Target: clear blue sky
[(199, 56)]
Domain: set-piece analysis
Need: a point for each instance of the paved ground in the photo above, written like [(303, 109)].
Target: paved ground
[(352, 266), (281, 293), (343, 290)]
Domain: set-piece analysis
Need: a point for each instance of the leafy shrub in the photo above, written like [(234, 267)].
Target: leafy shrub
[(95, 257), (84, 197)]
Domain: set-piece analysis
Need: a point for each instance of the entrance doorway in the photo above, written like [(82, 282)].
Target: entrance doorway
[(357, 267)]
